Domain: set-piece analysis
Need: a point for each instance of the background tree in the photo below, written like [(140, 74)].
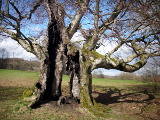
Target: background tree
[(127, 76), (98, 74), (3, 58), (119, 22), (4, 53), (151, 71)]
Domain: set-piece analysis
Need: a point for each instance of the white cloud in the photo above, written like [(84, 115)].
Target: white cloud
[(35, 29), (110, 72), (106, 46), (78, 39), (14, 49)]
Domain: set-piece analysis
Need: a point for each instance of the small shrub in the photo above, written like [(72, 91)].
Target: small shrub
[(153, 87)]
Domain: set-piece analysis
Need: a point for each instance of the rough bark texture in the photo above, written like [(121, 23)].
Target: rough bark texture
[(41, 85), (49, 86), (86, 82), (73, 67)]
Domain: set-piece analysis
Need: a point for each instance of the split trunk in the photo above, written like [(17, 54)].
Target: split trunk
[(49, 86)]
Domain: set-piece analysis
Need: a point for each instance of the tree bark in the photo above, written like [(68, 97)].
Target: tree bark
[(79, 66), (73, 68), (49, 85), (42, 84), (86, 82)]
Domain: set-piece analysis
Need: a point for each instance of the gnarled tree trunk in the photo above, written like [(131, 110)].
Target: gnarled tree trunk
[(86, 81), (49, 85), (73, 67)]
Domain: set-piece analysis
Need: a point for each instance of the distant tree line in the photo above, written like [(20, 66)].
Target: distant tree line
[(151, 72), (19, 64), (121, 76)]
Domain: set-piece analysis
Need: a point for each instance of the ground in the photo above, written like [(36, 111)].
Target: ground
[(130, 104), (127, 100)]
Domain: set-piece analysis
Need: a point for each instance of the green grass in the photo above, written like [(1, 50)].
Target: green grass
[(18, 78), (116, 83), (109, 82), (15, 74), (14, 82), (32, 77)]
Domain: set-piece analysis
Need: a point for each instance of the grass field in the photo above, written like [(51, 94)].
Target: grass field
[(29, 78), (117, 94)]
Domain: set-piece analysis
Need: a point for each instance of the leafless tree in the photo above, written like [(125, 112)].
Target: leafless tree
[(127, 76), (151, 71), (120, 22), (4, 54)]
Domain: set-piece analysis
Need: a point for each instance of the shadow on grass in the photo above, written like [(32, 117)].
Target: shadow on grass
[(10, 93), (114, 95)]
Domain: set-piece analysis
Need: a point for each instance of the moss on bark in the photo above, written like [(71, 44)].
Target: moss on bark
[(86, 98), (93, 54), (28, 92)]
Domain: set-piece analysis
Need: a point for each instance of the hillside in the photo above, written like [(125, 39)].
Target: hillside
[(19, 64)]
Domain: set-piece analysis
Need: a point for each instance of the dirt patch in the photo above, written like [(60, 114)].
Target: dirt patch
[(71, 110), (131, 105), (23, 82), (124, 104)]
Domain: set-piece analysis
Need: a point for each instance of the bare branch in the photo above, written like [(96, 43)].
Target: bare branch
[(130, 58), (143, 37), (120, 64), (35, 8), (77, 18), (131, 68), (156, 53), (28, 46), (9, 16), (116, 48), (0, 4), (131, 33), (119, 8), (91, 43), (96, 18), (16, 9), (83, 32)]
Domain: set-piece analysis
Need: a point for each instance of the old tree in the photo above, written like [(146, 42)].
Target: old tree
[(131, 27)]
